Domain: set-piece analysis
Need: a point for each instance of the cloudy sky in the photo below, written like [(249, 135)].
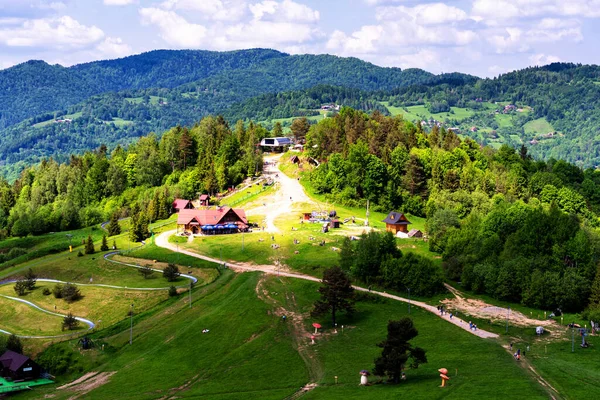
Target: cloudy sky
[(481, 37)]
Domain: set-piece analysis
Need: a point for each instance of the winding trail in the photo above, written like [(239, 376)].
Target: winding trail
[(89, 323), (162, 240)]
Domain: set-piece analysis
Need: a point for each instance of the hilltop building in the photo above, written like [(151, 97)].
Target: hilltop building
[(213, 221), (396, 222), (277, 144)]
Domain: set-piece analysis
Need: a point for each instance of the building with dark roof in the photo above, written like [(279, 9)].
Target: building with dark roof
[(276, 144), (396, 222), (16, 366)]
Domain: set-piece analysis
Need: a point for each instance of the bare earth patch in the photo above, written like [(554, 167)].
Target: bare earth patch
[(87, 383), (483, 310)]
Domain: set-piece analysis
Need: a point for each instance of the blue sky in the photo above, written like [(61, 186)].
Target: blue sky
[(481, 37)]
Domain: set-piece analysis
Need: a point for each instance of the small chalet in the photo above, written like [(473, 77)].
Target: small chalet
[(213, 221), (17, 367), (204, 199), (396, 222), (415, 233), (181, 204)]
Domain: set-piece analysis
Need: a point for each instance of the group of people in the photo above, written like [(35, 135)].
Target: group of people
[(472, 326)]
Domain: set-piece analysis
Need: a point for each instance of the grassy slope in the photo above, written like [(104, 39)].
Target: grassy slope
[(240, 356), (250, 353), (538, 126), (23, 319)]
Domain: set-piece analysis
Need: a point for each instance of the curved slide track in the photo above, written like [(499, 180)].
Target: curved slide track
[(89, 323)]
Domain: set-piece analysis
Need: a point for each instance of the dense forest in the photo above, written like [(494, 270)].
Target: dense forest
[(505, 224), (206, 158)]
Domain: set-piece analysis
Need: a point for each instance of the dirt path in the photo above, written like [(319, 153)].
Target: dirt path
[(289, 192), (300, 335), (162, 240)]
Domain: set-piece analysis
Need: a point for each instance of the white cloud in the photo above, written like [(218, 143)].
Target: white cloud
[(543, 59), (286, 10), (174, 29), (118, 2), (491, 11), (215, 10), (426, 14), (63, 32), (113, 48)]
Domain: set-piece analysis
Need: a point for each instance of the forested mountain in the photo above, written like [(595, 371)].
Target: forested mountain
[(114, 101), (505, 224), (554, 110), (55, 111), (34, 87)]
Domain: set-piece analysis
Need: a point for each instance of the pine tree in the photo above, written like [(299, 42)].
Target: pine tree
[(171, 272), (397, 351), (13, 343), (30, 279), (346, 254), (113, 226), (89, 246), (104, 246), (337, 294), (69, 322)]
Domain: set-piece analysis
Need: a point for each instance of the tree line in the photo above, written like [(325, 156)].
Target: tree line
[(140, 180), (506, 224)]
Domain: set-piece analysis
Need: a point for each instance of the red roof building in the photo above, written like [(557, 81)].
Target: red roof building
[(182, 204), (213, 221)]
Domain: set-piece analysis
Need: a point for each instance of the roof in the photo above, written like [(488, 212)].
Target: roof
[(204, 197), (180, 204), (396, 218), (13, 361), (208, 217), (276, 142), (414, 232)]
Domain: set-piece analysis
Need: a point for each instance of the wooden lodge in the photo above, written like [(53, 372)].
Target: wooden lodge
[(17, 367), (204, 200), (182, 204), (213, 221), (396, 222)]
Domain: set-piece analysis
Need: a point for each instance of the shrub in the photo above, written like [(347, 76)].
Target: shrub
[(71, 293), (46, 292), (21, 287), (171, 272), (79, 254), (172, 291), (57, 291)]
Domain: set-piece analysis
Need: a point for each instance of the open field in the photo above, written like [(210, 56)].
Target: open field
[(107, 305), (538, 126), (23, 319), (248, 345), (418, 113)]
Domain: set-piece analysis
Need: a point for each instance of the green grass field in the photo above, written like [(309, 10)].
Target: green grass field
[(250, 352), (538, 126), (418, 113), (22, 319)]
